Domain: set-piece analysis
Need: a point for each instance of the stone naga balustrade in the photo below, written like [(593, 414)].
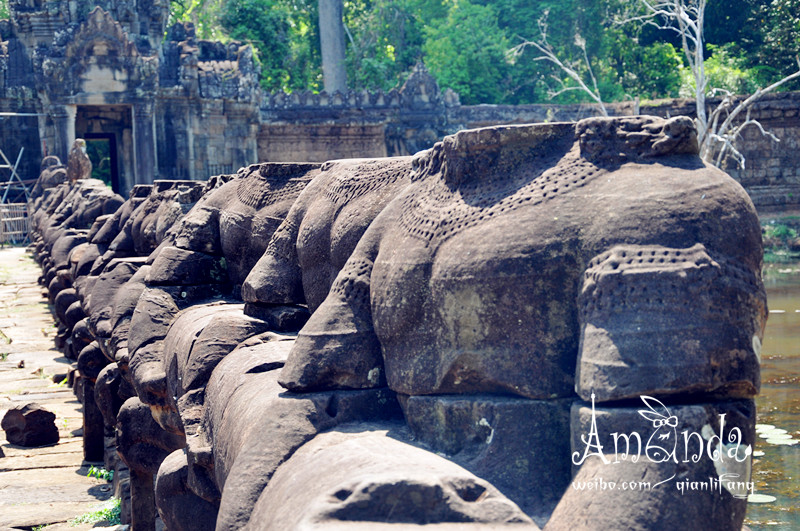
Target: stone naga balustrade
[(450, 337)]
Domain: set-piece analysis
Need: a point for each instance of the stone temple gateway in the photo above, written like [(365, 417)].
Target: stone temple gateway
[(109, 75), (173, 107)]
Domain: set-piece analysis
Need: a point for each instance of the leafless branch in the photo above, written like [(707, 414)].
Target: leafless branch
[(547, 53), (717, 132)]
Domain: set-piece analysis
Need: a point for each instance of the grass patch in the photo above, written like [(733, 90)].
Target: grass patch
[(781, 237), (108, 512), (62, 383), (100, 473)]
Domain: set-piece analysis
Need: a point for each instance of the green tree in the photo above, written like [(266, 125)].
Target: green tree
[(596, 59), (303, 64), (204, 14), (385, 41), (284, 34), (265, 25), (467, 53), (779, 21), (726, 69), (749, 43), (718, 130), (332, 45)]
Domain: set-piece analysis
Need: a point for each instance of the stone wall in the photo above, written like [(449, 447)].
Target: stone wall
[(317, 143)]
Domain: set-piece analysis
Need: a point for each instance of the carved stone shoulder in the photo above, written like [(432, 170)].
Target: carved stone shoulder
[(620, 139)]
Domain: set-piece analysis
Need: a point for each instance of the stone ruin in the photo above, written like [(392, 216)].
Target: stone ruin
[(453, 337), (168, 105)]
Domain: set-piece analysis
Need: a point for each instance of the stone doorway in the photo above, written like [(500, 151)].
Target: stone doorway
[(108, 129), (102, 151)]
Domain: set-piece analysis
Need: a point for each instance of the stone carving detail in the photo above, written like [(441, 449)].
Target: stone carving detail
[(100, 43), (52, 173), (209, 69), (322, 229), (214, 247), (30, 425), (525, 173), (632, 138), (631, 292)]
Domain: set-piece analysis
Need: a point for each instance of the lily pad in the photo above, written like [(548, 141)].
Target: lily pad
[(783, 442), (779, 436), (761, 498)]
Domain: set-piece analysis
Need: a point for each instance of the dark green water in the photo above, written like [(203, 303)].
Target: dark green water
[(777, 472)]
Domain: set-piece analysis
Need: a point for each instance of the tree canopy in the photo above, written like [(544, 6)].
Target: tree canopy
[(465, 45)]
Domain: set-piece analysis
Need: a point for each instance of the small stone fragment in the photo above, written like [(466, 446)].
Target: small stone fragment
[(30, 425)]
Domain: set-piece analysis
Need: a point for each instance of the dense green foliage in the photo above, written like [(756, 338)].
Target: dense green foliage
[(384, 41), (465, 44), (98, 152), (284, 34), (466, 52)]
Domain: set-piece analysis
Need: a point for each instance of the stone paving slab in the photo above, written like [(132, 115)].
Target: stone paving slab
[(68, 458), (45, 485)]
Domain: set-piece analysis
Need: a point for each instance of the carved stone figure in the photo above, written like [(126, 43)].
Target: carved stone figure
[(299, 265), (52, 173), (523, 252), (78, 164), (62, 222), (215, 246), (321, 230), (108, 294), (481, 315)]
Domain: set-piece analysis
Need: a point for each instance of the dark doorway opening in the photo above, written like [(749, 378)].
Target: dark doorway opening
[(102, 151), (108, 131)]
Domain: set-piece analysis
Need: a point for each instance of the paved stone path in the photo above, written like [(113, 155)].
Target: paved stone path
[(46, 485)]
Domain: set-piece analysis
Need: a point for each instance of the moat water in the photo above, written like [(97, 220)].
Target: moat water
[(777, 472)]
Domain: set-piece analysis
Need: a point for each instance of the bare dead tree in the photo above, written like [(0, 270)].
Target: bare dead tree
[(716, 132), (571, 69)]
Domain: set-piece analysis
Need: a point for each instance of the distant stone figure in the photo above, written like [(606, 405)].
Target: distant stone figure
[(78, 165), (52, 174)]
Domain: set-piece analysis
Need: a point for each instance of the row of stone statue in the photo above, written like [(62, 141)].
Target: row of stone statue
[(450, 337)]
